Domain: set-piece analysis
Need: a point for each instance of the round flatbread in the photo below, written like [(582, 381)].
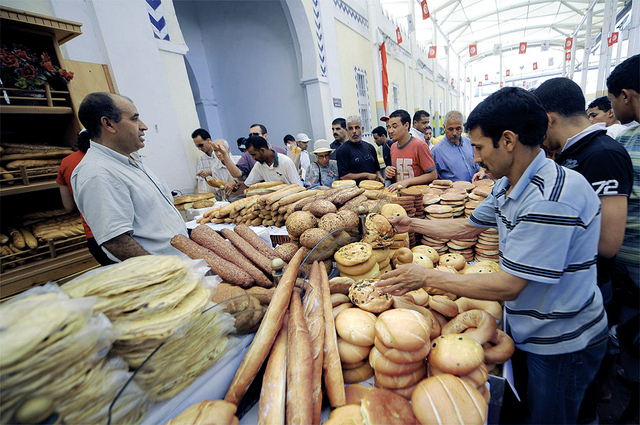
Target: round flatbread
[(353, 253)]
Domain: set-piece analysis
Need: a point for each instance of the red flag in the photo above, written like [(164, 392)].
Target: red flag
[(385, 76), (398, 35), (432, 52), (568, 43), (535, 66), (452, 81), (523, 47), (425, 10), (613, 39), (501, 84), (567, 56), (468, 80), (473, 50), (524, 84), (508, 73), (486, 77), (479, 83)]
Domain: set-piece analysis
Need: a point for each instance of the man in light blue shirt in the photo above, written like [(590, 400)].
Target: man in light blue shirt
[(129, 210), (548, 221), (454, 154)]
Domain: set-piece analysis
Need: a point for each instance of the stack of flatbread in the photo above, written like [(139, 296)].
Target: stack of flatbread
[(155, 300), (56, 347)]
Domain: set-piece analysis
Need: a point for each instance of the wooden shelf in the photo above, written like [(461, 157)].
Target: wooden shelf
[(18, 109), (38, 273), (33, 187)]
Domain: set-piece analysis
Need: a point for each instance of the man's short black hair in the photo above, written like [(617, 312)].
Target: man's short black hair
[(258, 142), (603, 103), (263, 129), (202, 133), (341, 122), (288, 138), (429, 128), (380, 131), (510, 108), (419, 114), (625, 76), (562, 96), (95, 106), (404, 116)]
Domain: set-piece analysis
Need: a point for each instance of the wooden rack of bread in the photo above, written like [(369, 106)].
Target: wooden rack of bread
[(21, 161)]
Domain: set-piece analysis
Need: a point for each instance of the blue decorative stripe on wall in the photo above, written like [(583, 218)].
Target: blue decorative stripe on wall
[(351, 13), (320, 37), (156, 17)]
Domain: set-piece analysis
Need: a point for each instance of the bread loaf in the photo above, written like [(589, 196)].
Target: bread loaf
[(32, 163), (29, 239), (333, 379), (356, 326), (54, 153), (271, 407), (457, 402), (207, 412), (381, 406), (314, 316), (17, 239)]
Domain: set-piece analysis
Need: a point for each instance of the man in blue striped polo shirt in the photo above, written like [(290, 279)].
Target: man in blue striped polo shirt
[(548, 219)]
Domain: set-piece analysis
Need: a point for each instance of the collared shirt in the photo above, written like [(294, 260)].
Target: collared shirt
[(616, 130), (318, 175), (282, 170), (304, 163), (417, 133), (212, 163), (246, 162), (117, 195), (549, 228), (591, 129), (629, 253), (454, 162)]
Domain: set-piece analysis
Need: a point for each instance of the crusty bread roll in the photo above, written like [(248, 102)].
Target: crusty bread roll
[(356, 326), (458, 402), (355, 393), (349, 366), (428, 251), (382, 407), (381, 254), (477, 324), (400, 356), (383, 365), (207, 412), (338, 299), (371, 185), (373, 273), (404, 392), (359, 374), (400, 381), (403, 329), (393, 209), (346, 415), (351, 353), (365, 295), (452, 259), (456, 354), (336, 310), (340, 284), (343, 183)]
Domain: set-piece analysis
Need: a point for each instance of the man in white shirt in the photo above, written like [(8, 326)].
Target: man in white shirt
[(270, 166), (303, 143), (210, 163), (129, 209), (600, 111), (421, 120)]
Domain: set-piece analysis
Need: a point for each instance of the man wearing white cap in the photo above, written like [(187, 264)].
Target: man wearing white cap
[(303, 143), (322, 173)]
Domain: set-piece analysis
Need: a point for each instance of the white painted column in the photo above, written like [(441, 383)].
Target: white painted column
[(605, 51), (375, 38), (586, 52)]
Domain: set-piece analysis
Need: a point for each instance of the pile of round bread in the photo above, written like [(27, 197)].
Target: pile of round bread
[(435, 350)]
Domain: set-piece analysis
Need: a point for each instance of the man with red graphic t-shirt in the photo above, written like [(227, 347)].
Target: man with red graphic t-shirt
[(411, 160)]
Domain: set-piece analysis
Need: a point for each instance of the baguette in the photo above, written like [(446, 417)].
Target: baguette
[(313, 313), (262, 185), (333, 379), (210, 239), (223, 268), (255, 241), (248, 250), (6, 175), (10, 148), (289, 199), (347, 195), (294, 188), (32, 163), (271, 407), (29, 239), (17, 239), (299, 404), (269, 328), (57, 153)]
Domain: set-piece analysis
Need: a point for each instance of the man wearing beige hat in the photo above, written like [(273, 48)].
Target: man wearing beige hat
[(324, 171)]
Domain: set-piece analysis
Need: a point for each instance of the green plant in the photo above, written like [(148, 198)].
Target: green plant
[(25, 70)]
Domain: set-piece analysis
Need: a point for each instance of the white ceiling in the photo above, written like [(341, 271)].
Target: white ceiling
[(505, 22)]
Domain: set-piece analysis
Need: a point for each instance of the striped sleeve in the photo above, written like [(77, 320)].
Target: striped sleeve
[(539, 246), (484, 215)]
